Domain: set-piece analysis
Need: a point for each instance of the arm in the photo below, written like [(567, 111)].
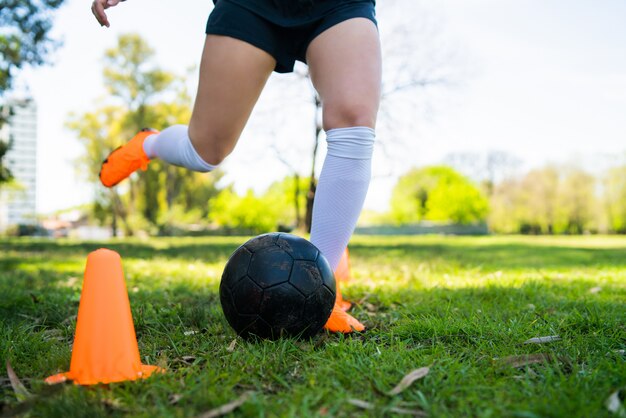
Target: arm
[(98, 7)]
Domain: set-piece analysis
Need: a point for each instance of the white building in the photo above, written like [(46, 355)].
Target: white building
[(18, 202)]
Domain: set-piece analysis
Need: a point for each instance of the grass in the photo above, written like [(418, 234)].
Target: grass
[(461, 306)]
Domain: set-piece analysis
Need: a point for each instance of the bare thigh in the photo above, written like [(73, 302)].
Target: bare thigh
[(232, 76), (345, 66)]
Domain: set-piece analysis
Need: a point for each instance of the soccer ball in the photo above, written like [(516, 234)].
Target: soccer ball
[(277, 285)]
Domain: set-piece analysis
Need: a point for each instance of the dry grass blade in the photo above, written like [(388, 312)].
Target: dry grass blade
[(404, 411), (20, 391), (408, 380), (360, 404), (227, 408), (615, 405), (400, 411), (543, 340), (525, 359)]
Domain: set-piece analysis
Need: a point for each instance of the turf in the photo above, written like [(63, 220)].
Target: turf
[(461, 306)]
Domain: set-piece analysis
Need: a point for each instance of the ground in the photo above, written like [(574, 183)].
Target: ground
[(461, 306)]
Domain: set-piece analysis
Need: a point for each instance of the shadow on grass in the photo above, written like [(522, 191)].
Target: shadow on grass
[(206, 251), (490, 254)]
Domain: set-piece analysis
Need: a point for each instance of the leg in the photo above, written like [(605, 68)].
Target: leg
[(345, 68), (232, 76)]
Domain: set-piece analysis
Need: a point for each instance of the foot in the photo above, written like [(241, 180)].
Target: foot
[(340, 321), (343, 304), (125, 160)]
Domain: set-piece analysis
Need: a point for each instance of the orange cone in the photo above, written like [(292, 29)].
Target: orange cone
[(105, 346), (342, 274)]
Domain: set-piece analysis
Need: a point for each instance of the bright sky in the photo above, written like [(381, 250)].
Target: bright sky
[(545, 81)]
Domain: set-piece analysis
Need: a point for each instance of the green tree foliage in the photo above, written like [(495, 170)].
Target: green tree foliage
[(142, 95), (24, 28), (273, 210), (437, 193), (24, 36), (545, 201), (615, 199), (248, 213), (5, 174)]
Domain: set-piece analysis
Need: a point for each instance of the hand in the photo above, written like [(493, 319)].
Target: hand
[(98, 7)]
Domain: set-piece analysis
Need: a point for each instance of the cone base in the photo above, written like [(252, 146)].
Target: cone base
[(145, 371)]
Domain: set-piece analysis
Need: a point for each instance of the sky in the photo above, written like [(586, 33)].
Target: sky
[(542, 80)]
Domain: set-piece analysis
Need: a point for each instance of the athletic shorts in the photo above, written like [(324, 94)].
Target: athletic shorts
[(287, 44)]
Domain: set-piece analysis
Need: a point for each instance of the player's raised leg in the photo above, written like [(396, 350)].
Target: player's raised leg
[(345, 66), (232, 76)]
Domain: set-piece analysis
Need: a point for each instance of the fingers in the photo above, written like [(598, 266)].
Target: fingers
[(97, 8)]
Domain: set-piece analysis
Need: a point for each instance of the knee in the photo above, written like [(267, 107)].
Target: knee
[(347, 114), (212, 148)]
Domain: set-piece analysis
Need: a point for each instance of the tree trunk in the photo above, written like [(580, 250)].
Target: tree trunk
[(310, 196), (296, 200)]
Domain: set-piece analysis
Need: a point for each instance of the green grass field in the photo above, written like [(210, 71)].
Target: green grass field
[(461, 306)]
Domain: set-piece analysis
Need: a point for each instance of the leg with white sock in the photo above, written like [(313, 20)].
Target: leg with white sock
[(345, 68), (339, 198), (341, 189), (232, 76)]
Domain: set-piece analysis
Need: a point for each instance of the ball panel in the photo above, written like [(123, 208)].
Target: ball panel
[(305, 276), (247, 296), (270, 266), (282, 306), (245, 324), (299, 248), (326, 273), (317, 309), (262, 241), (258, 328), (238, 263)]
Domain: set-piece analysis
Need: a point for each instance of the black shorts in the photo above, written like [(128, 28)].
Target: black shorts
[(285, 43)]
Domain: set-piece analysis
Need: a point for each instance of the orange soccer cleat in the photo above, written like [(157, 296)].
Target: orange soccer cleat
[(125, 160), (341, 321)]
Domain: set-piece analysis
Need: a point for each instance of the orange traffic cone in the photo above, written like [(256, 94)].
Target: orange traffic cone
[(105, 346), (342, 274)]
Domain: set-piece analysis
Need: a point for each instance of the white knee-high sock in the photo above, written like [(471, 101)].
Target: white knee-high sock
[(173, 146), (341, 189)]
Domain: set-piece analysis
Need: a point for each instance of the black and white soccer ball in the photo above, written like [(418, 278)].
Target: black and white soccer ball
[(275, 285)]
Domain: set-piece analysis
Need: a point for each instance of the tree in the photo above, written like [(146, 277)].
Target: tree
[(23, 40), (142, 95), (5, 173), (547, 200), (437, 193), (615, 198), (24, 37), (489, 168)]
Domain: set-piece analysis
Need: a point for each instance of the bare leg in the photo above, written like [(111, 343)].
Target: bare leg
[(345, 67), (232, 76)]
